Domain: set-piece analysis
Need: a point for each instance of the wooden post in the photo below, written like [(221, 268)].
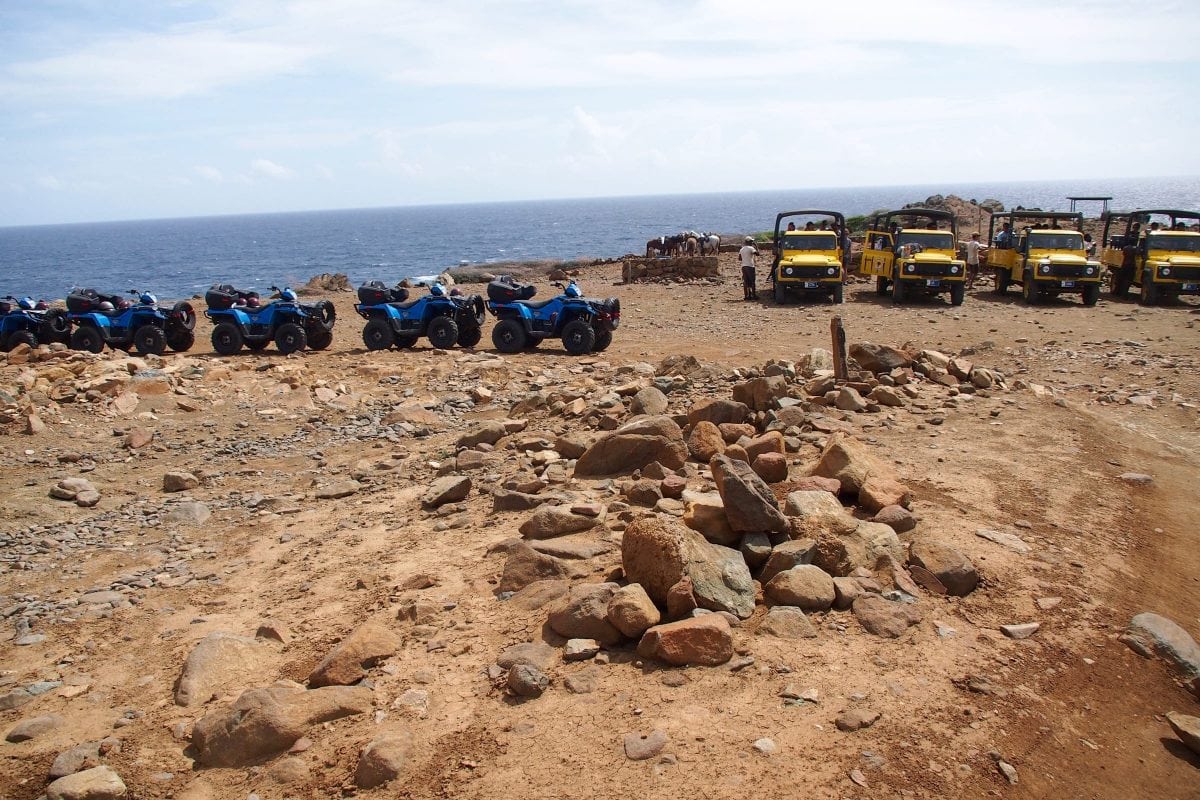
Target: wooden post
[(839, 349)]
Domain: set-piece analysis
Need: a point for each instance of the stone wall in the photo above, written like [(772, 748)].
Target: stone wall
[(650, 269)]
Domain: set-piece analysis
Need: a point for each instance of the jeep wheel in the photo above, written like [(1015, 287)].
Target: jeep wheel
[(442, 333), (578, 337), (227, 339), (958, 293), (469, 336), (839, 294), (603, 340), (290, 338), (1091, 294), (899, 292), (1003, 280), (1148, 294), (881, 286), (509, 336), (377, 334), (1029, 291), (780, 294), (87, 337)]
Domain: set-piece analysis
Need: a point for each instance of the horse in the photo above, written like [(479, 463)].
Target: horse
[(691, 246), (656, 246), (710, 244)]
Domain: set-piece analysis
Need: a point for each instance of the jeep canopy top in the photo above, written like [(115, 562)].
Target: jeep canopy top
[(838, 219), (1032, 216)]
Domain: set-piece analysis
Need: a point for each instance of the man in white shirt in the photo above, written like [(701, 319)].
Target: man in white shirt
[(973, 248), (748, 254)]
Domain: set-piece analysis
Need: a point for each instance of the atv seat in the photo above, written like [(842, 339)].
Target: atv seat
[(405, 306), (532, 304)]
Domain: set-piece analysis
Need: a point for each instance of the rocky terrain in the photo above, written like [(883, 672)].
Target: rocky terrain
[(694, 564)]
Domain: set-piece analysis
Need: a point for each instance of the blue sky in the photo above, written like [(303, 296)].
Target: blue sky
[(121, 109)]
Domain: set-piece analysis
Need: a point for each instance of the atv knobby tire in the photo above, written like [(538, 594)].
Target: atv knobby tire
[(578, 337), (469, 336), (89, 338), (509, 336), (290, 338), (377, 334), (226, 338), (442, 332)]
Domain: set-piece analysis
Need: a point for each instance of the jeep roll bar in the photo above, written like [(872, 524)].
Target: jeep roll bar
[(883, 221), (1142, 215), (838, 219), (1013, 216)]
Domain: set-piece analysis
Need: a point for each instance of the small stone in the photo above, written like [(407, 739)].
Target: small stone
[(1187, 728), (580, 649), (33, 727), (584, 682), (336, 491), (639, 747), (97, 783), (1136, 478), (1021, 631), (855, 719), (766, 746), (858, 777), (527, 680), (179, 481)]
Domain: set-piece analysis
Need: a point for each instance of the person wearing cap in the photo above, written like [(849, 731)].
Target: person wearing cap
[(748, 255)]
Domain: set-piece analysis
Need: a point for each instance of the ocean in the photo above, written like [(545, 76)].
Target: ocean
[(180, 257)]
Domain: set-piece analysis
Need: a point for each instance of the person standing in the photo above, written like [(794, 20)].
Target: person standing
[(846, 246), (973, 248), (749, 255)]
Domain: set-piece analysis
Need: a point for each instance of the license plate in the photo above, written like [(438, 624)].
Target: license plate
[(933, 283), (1191, 287), (1068, 284), (810, 284)]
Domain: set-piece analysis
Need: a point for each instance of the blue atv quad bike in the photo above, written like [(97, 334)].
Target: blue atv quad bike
[(101, 319), (585, 325), (239, 318), (26, 322), (394, 321)]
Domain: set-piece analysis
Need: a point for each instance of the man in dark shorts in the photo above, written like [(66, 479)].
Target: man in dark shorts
[(747, 255)]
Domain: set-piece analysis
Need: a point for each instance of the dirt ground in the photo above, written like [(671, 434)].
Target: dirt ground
[(1075, 711)]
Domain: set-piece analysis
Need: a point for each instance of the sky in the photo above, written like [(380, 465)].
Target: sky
[(123, 109)]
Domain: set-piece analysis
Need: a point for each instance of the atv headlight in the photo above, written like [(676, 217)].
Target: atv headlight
[(910, 268), (1045, 269), (832, 271), (953, 270)]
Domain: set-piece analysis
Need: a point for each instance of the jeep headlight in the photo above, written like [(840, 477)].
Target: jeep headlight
[(1089, 271), (953, 270), (831, 271), (1165, 271), (910, 268), (1045, 269), (787, 271)]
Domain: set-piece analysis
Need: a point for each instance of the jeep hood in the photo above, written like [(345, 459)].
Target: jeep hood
[(809, 261)]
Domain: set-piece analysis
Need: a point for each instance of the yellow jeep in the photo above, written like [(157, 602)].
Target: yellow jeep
[(1159, 256), (808, 260), (915, 260), (1032, 249)]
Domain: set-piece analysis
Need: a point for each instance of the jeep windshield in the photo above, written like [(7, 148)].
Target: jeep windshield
[(1175, 244), (927, 241), (1056, 241), (809, 242)]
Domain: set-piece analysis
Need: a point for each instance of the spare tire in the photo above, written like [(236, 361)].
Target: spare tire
[(186, 314), (325, 313)]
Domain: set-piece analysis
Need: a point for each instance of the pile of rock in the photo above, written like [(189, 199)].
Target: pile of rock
[(634, 269)]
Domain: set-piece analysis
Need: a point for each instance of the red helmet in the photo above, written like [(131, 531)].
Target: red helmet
[(252, 301)]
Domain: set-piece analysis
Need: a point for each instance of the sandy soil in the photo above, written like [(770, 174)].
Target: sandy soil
[(1074, 710)]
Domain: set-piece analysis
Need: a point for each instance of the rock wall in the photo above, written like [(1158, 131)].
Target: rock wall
[(650, 269)]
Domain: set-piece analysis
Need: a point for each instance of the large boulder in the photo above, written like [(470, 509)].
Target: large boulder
[(449, 489), (705, 441), (760, 394), (633, 446), (812, 514), (265, 722), (220, 662), (658, 553), (849, 461), (583, 614), (551, 521), (705, 641), (632, 612), (806, 587), (865, 546), (769, 442), (952, 568), (525, 565), (749, 503), (97, 783), (1151, 634), (489, 432), (366, 646), (786, 555), (879, 357), (718, 411), (649, 401), (787, 622), (878, 492)]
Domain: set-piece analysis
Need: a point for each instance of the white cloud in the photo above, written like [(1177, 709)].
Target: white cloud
[(211, 174), (265, 167)]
